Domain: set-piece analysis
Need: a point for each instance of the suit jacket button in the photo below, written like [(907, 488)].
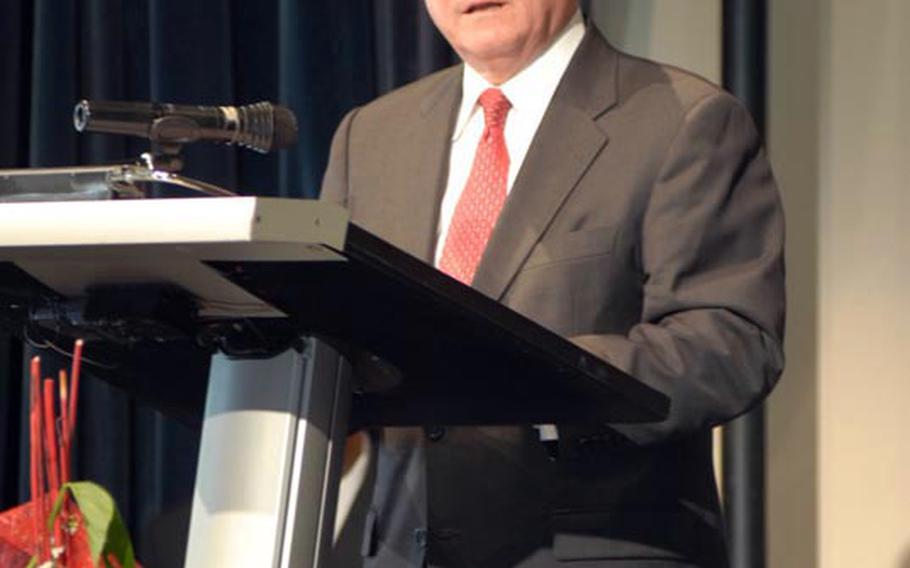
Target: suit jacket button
[(436, 433)]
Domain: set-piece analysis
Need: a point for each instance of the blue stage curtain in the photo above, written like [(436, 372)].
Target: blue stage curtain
[(319, 58)]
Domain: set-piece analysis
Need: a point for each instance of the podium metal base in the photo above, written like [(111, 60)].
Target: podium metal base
[(270, 460)]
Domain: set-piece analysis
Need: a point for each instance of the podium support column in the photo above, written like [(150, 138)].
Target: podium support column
[(270, 460)]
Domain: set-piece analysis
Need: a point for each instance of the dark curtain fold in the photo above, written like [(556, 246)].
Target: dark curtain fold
[(319, 58)]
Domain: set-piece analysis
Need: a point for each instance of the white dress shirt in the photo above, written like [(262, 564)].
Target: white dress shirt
[(530, 92)]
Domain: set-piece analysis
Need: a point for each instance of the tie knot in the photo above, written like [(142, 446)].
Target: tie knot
[(495, 108)]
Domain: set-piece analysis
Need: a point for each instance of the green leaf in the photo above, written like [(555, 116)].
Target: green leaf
[(106, 531)]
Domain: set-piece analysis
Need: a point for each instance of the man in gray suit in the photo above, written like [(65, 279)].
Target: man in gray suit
[(626, 205)]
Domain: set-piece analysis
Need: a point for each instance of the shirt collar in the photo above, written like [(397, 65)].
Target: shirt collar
[(533, 87)]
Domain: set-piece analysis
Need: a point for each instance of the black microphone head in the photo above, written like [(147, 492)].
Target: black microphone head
[(264, 127), (285, 129)]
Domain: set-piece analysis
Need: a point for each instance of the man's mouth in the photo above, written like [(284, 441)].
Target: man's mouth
[(477, 7)]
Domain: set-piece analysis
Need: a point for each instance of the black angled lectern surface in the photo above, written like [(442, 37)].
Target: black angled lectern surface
[(432, 350), (317, 326)]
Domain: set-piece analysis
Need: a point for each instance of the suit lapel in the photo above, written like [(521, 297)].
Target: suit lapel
[(427, 156), (567, 141)]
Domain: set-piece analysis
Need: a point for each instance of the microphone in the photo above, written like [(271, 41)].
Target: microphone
[(262, 127)]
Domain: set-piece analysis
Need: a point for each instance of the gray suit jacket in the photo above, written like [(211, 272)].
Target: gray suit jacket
[(644, 225)]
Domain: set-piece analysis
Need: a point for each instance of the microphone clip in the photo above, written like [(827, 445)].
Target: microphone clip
[(164, 157)]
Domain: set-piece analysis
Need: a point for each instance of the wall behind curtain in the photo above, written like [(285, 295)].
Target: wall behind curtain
[(320, 58), (686, 34)]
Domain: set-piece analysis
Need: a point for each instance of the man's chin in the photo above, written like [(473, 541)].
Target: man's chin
[(488, 45)]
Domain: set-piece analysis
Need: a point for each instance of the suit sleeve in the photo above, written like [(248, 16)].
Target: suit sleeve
[(335, 180), (711, 331)]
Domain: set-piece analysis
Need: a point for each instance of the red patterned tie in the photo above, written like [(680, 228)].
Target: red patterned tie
[(483, 196)]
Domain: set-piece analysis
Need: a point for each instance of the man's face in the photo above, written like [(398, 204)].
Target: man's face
[(499, 38)]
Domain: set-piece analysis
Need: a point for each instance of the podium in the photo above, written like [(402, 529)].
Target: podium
[(317, 328)]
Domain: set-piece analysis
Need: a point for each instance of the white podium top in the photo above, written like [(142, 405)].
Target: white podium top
[(70, 246)]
